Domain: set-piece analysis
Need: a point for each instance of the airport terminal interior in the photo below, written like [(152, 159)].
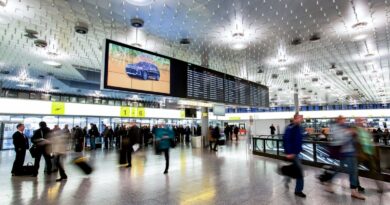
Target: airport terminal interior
[(194, 102)]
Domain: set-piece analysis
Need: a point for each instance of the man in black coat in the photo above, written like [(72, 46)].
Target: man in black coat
[(21, 145), (128, 140), (41, 140)]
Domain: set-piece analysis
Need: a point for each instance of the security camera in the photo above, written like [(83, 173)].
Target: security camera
[(81, 28), (137, 23)]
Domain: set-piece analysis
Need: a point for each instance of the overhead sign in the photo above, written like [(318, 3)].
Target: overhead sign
[(58, 108), (182, 113), (234, 118), (141, 112), (125, 112)]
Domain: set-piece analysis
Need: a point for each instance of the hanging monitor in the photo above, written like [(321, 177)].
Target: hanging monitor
[(219, 110), (133, 69)]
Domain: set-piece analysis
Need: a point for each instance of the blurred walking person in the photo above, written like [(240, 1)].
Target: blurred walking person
[(236, 131), (367, 153), (344, 142), (210, 137), (292, 142), (128, 140), (216, 134), (59, 141), (164, 140), (93, 133), (21, 145), (40, 139)]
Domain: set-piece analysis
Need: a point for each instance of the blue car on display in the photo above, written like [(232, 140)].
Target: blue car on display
[(143, 70)]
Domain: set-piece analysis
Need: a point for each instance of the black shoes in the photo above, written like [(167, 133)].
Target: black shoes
[(128, 166), (300, 194), (360, 189), (166, 172)]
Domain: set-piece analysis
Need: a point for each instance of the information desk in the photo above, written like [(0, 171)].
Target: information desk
[(315, 153)]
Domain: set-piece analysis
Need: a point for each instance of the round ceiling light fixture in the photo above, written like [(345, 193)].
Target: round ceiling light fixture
[(369, 55), (360, 37), (140, 2), (239, 46), (52, 63), (136, 45), (282, 68), (359, 25)]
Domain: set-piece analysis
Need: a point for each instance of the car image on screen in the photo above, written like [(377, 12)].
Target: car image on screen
[(143, 70)]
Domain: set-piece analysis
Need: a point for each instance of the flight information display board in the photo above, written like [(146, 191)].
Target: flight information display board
[(209, 85), (204, 84)]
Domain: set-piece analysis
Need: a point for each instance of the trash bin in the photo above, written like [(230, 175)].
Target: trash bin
[(196, 141)]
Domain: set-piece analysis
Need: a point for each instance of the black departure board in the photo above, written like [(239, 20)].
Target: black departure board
[(204, 84), (209, 85)]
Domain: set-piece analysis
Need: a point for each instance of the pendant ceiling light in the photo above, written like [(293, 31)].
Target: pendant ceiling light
[(140, 2)]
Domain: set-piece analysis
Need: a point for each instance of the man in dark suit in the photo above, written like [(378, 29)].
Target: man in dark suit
[(21, 145), (40, 139), (129, 139)]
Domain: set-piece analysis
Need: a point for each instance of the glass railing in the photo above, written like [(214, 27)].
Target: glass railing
[(315, 153)]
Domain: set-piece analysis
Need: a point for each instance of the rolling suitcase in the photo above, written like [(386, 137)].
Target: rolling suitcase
[(82, 163)]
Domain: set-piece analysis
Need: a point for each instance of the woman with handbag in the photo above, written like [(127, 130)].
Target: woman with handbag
[(164, 140)]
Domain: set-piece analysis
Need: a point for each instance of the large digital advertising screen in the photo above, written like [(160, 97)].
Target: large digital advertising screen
[(133, 69)]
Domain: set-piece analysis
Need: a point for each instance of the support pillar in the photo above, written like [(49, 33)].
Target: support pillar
[(205, 125)]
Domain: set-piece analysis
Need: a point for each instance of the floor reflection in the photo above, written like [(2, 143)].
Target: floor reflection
[(230, 176)]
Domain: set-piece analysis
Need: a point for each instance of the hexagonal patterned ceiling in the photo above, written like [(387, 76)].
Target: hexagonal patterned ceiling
[(330, 51)]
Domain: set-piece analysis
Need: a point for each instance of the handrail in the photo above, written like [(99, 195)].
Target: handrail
[(314, 152)]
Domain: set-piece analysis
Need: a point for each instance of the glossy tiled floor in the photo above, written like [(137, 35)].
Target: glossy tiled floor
[(230, 176)]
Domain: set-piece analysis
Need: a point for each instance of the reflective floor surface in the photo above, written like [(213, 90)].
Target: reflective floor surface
[(230, 176)]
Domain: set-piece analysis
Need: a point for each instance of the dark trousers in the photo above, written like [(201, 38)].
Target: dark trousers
[(125, 155), (38, 160), (166, 155), (106, 142), (60, 166), (19, 161), (299, 181), (117, 141), (92, 142), (215, 144)]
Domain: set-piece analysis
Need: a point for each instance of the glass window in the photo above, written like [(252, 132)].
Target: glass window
[(17, 118), (11, 94), (111, 102), (31, 123), (55, 98), (97, 101), (23, 95), (66, 121), (65, 99), (82, 100), (117, 103), (104, 101), (45, 96), (80, 121), (35, 96), (50, 121), (124, 103), (90, 100), (104, 121), (73, 99), (5, 118), (94, 120)]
